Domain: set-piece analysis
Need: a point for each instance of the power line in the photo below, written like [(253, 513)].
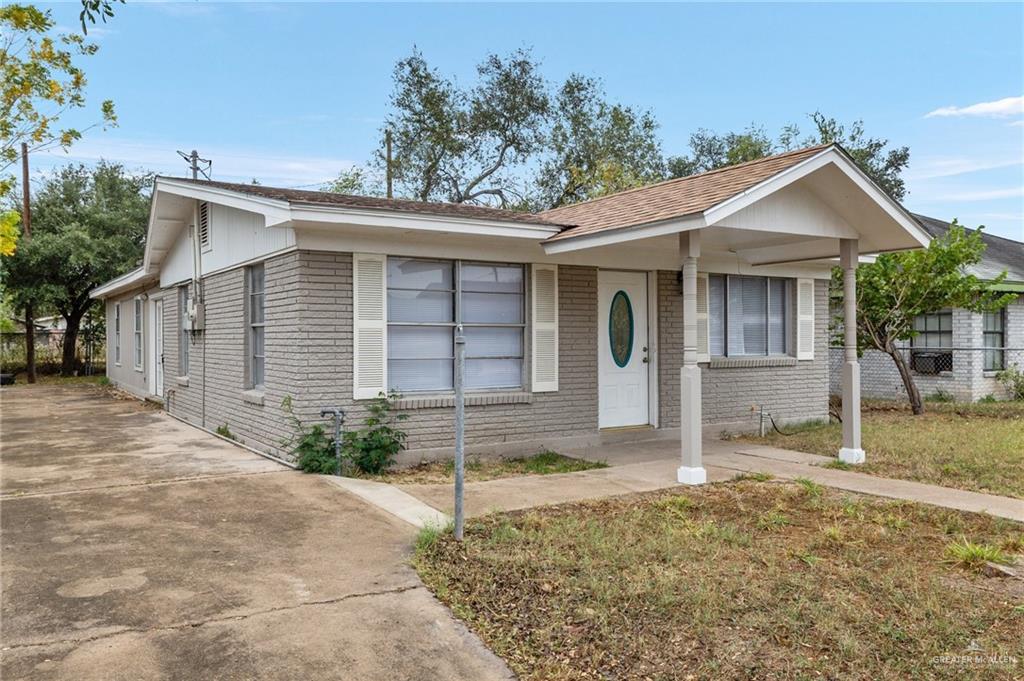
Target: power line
[(197, 165)]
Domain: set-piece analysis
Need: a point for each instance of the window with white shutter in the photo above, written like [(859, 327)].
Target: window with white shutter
[(805, 319), (369, 325), (545, 328)]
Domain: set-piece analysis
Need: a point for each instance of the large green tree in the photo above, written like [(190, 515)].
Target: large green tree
[(88, 226), (709, 150), (897, 287), (513, 139)]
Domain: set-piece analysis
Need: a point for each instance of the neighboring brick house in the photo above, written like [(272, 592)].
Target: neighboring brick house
[(653, 313), (957, 352)]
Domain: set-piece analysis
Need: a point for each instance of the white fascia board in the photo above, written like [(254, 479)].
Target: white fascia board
[(274, 211), (122, 283), (612, 237), (425, 222)]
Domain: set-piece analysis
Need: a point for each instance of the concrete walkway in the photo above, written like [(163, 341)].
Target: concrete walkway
[(648, 466)]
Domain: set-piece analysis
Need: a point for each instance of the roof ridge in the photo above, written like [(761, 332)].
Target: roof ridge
[(689, 177), (979, 228)]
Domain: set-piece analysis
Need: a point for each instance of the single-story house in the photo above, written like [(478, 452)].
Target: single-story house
[(957, 352), (658, 312)]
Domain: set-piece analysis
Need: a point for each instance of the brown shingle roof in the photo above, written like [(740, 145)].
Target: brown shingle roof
[(460, 210), (671, 198)]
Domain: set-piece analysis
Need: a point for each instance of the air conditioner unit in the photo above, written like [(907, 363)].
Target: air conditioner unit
[(196, 315)]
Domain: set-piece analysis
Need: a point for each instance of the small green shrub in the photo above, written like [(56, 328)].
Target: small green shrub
[(939, 396), (373, 448), (988, 399), (224, 431), (313, 448), (105, 381), (1013, 378)]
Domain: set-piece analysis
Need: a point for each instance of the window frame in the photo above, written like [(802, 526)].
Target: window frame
[(940, 350), (788, 316), (457, 305), (184, 334), (117, 333), (993, 350), (253, 359), (138, 337)]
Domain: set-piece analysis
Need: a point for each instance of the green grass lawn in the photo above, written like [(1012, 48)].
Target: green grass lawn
[(745, 579), (977, 447), (477, 469)]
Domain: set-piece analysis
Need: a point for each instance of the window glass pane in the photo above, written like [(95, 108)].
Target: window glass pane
[(945, 320), (420, 342), (501, 308), (420, 274), (257, 341), (919, 322), (747, 322), (257, 371), (256, 279), (493, 342), (494, 373), (993, 321), (256, 308), (411, 375), (716, 315), (492, 278), (420, 306), (777, 317)]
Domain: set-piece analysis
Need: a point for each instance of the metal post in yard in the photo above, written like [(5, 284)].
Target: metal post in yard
[(460, 428), (339, 419)]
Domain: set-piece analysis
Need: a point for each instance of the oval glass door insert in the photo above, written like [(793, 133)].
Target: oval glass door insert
[(620, 329)]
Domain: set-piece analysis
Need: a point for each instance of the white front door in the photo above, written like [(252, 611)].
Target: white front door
[(158, 348), (622, 349)]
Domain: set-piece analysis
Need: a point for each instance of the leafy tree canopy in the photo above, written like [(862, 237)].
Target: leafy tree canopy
[(709, 150), (39, 82)]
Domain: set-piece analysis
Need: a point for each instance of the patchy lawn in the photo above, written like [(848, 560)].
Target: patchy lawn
[(737, 580), (544, 463), (969, 446)]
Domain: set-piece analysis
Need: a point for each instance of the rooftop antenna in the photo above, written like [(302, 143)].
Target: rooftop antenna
[(197, 165)]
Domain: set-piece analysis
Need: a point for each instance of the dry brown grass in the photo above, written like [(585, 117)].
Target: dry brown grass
[(738, 580), (968, 446), (479, 469)]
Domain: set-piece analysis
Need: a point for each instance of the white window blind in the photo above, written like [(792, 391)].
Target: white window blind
[(748, 316)]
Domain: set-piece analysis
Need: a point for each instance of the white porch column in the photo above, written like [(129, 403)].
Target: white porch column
[(691, 472), (851, 451)]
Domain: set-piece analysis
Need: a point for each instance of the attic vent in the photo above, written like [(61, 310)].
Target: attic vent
[(204, 225)]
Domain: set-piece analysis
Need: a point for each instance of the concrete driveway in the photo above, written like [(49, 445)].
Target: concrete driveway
[(136, 547)]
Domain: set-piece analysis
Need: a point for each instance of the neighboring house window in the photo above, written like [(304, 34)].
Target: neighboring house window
[(137, 335), (184, 336), (428, 298), (748, 316), (993, 339), (117, 334), (932, 347), (257, 339)]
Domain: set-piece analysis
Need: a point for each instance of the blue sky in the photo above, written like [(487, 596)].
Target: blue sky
[(291, 93)]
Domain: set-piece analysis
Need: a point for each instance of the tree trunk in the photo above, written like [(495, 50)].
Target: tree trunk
[(913, 394), (30, 344), (69, 354)]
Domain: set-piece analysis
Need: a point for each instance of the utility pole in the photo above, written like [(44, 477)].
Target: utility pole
[(387, 159), (26, 221), (197, 165)]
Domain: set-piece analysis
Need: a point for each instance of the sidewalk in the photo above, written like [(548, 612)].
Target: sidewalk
[(656, 469)]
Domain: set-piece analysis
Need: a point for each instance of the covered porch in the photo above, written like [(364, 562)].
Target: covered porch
[(794, 215)]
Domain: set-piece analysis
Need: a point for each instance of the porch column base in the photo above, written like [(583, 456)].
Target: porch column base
[(691, 476), (851, 456)]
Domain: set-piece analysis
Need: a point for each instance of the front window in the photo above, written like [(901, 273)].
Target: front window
[(137, 335), (184, 335), (993, 330), (748, 316), (117, 333), (257, 341), (932, 347), (428, 298)]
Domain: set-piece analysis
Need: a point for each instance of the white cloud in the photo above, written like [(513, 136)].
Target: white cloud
[(229, 164), (947, 167), (1001, 108), (1017, 124), (985, 194)]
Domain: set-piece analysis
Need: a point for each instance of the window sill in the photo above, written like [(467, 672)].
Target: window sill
[(253, 397), (472, 400), (181, 380), (751, 362)]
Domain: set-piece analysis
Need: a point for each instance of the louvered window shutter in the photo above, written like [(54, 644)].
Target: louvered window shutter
[(369, 325), (805, 319), (703, 354), (545, 328)]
